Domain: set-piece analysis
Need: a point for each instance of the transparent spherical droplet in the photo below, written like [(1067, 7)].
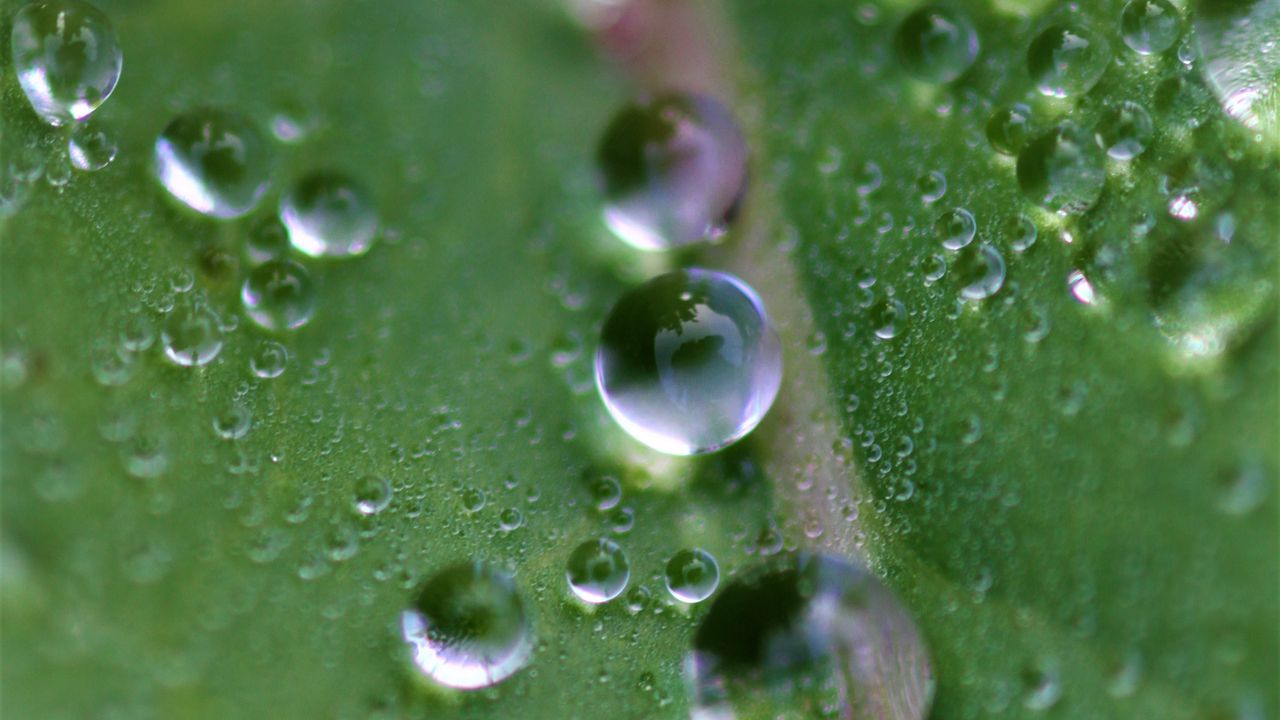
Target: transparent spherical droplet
[(674, 171), (606, 492), (933, 267), (598, 571), (808, 636), (956, 228), (1008, 128), (937, 44), (191, 336), (234, 422), (692, 575), (689, 362), (1062, 170), (1242, 60), (1124, 131), (468, 627), (1021, 232), (213, 161), (931, 186), (66, 57), (887, 318), (1150, 26), (372, 495), (137, 333), (981, 272), (1067, 60), (328, 214), (510, 519), (267, 240), (279, 295), (91, 147), (269, 359), (113, 366)]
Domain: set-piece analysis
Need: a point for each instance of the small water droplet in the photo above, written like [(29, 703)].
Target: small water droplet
[(234, 422), (66, 57), (1150, 27), (214, 162), (981, 272), (887, 318), (598, 571), (269, 359), (937, 44), (692, 575), (1021, 231), (674, 171), (468, 627), (1067, 60), (266, 240), (1081, 288), (931, 187), (372, 495), (689, 362), (191, 335), (328, 214), (1008, 128), (606, 492), (1124, 131), (1042, 685), (279, 295), (1062, 170), (91, 147), (510, 519), (955, 228)]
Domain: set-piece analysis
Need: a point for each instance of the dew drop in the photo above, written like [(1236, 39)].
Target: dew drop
[(328, 214), (279, 295), (808, 636), (266, 240), (214, 162), (980, 271), (372, 495), (112, 366), (674, 171), (91, 147), (887, 318), (692, 575), (956, 228), (598, 571), (606, 492), (1021, 231), (1150, 27), (1080, 287), (937, 44), (269, 359), (1242, 60), (1124, 131), (931, 186), (468, 627), (66, 57), (1067, 60), (1062, 170), (1008, 128), (191, 335), (689, 362), (234, 422), (510, 519)]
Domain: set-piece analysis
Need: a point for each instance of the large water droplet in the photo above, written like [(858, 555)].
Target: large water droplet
[(674, 171), (329, 215), (1067, 60), (1063, 170), (598, 570), (692, 575), (808, 636), (279, 295), (937, 44), (689, 362), (1124, 131), (66, 56), (1150, 26), (468, 627), (1238, 41), (214, 161)]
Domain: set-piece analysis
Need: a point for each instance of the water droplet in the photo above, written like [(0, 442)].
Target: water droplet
[(674, 171), (58, 174), (956, 228), (267, 240), (91, 147), (692, 575), (1062, 170), (933, 268), (191, 335), (213, 161), (1242, 60), (937, 44), (1008, 128), (112, 366), (981, 272), (598, 571), (66, 56), (887, 318), (328, 214), (812, 636), (1043, 686), (1021, 231), (1150, 26), (468, 628), (269, 359), (372, 495), (1080, 287), (279, 295), (138, 333), (510, 519), (689, 362), (234, 423), (1067, 60), (1124, 131), (931, 186), (473, 499), (606, 492)]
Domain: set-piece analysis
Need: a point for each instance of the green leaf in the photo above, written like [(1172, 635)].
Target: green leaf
[(1111, 516)]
